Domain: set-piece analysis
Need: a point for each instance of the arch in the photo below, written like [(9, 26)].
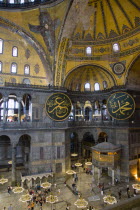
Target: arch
[(75, 77), (132, 75), (5, 150), (23, 149), (26, 108), (102, 137), (74, 142)]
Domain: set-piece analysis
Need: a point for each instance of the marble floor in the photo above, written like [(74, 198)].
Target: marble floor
[(85, 185)]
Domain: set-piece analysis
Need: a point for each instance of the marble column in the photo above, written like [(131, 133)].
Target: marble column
[(13, 163), (19, 109), (113, 176), (5, 99), (99, 175)]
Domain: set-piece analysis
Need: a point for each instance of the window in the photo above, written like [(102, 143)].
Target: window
[(26, 81), (14, 68), (26, 69), (41, 153), (0, 66), (96, 86), (22, 1), (87, 86), (116, 47), (11, 1), (15, 51), (105, 84), (88, 50), (1, 46)]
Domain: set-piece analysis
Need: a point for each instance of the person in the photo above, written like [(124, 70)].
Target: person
[(10, 207), (67, 207), (9, 189), (116, 180), (120, 194), (135, 193), (4, 208)]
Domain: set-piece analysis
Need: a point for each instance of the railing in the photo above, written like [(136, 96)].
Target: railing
[(46, 87)]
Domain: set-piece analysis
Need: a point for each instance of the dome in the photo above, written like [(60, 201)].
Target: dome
[(106, 147), (101, 19)]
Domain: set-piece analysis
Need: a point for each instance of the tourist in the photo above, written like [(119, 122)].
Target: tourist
[(120, 194), (10, 207), (9, 189)]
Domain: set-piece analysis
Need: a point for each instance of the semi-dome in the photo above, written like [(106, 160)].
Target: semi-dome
[(88, 74)]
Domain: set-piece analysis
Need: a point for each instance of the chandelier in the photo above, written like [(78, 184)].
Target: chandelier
[(136, 186), (70, 172), (3, 181), (18, 189), (78, 164), (74, 154), (52, 199), (110, 199), (25, 198), (88, 163), (81, 203), (46, 185), (10, 162)]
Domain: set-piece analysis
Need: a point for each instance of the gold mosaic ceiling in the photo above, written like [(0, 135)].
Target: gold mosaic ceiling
[(88, 74), (101, 19)]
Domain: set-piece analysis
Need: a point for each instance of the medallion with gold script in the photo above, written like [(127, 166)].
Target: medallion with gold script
[(120, 105), (58, 106)]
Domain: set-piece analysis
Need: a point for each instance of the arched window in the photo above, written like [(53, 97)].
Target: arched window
[(22, 1), (88, 50), (87, 86), (105, 84), (11, 1), (96, 86), (26, 81), (15, 51), (1, 46), (26, 69), (0, 66), (116, 47), (13, 68)]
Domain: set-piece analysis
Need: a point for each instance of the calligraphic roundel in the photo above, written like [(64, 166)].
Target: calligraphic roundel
[(58, 106), (120, 105)]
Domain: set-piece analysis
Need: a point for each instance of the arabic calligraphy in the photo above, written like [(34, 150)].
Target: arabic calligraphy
[(58, 106), (120, 105)]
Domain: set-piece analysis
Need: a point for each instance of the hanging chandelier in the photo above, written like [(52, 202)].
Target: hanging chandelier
[(51, 199), (3, 181), (18, 189), (10, 162), (25, 198), (81, 203), (70, 172), (46, 185), (110, 199), (74, 154), (88, 163), (78, 164), (136, 186)]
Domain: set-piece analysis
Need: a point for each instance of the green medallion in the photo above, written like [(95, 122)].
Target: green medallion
[(120, 105), (58, 106)]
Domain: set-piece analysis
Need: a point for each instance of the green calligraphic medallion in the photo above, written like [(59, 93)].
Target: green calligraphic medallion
[(120, 105), (58, 106)]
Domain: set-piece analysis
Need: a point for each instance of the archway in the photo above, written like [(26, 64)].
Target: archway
[(88, 142), (23, 150), (5, 151), (102, 137)]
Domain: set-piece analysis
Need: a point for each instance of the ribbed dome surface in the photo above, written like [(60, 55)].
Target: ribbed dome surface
[(101, 19), (77, 79)]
